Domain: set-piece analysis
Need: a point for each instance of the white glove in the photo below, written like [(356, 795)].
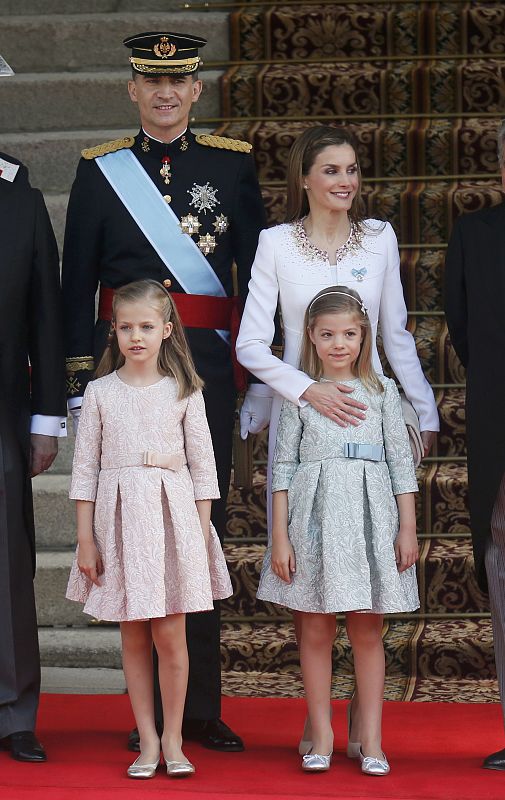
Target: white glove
[(75, 413), (256, 408)]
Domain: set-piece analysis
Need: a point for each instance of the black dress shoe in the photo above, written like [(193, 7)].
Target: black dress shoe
[(24, 746), (214, 734), (134, 741), (134, 738), (495, 761)]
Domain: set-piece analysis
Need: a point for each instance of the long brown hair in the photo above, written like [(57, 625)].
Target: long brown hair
[(174, 357), (339, 300), (302, 155)]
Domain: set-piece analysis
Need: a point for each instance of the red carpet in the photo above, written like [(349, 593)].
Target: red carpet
[(435, 750)]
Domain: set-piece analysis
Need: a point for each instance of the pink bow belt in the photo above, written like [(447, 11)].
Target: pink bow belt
[(149, 458)]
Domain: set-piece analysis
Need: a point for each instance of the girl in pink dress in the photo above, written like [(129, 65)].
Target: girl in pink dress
[(144, 478)]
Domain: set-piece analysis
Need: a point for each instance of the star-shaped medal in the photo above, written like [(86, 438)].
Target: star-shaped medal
[(203, 197), (189, 224), (220, 224), (207, 244)]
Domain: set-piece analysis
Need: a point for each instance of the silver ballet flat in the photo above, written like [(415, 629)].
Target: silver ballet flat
[(305, 745), (179, 769), (313, 762), (353, 748), (137, 770), (374, 766)]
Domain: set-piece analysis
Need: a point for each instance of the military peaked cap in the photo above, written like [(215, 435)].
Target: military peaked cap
[(164, 53)]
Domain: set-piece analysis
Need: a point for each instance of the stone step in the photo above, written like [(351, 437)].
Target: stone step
[(80, 647), (252, 683), (54, 512), (75, 680), (30, 7), (365, 29), (446, 575), (339, 89), (69, 101), (451, 440), (420, 212), (441, 503), (88, 41), (447, 583), (57, 208), (52, 156), (393, 147), (62, 465), (438, 649)]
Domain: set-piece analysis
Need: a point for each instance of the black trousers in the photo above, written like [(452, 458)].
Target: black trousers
[(203, 699), (19, 651)]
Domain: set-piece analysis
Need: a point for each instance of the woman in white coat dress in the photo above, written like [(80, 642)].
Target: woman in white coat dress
[(326, 241)]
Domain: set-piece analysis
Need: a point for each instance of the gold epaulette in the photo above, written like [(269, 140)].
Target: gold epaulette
[(223, 143), (107, 147)]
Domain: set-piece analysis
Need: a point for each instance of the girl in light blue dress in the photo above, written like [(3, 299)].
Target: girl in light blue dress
[(344, 529)]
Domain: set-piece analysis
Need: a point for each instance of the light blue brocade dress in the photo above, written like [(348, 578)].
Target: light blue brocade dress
[(342, 512)]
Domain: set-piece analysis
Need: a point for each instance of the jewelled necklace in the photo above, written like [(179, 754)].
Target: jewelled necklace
[(313, 253)]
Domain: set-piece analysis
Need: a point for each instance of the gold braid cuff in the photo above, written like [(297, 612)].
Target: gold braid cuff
[(223, 143), (78, 363)]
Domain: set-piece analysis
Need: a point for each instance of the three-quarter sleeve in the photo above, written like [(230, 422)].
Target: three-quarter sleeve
[(257, 328), (287, 448), (396, 442), (88, 449), (199, 450), (399, 344)]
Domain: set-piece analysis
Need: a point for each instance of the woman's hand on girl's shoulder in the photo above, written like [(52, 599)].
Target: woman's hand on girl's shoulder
[(333, 401), (89, 561), (283, 557), (406, 548)]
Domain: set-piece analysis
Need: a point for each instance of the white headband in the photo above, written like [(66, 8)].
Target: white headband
[(344, 294)]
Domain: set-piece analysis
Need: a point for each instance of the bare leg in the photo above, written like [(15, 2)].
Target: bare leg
[(365, 635), (318, 633), (138, 669), (169, 635)]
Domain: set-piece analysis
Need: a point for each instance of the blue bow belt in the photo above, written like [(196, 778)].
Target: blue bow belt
[(369, 452)]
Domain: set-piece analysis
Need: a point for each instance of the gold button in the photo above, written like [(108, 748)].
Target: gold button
[(167, 198), (167, 283)]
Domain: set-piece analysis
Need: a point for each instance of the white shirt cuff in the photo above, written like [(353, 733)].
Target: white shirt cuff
[(48, 426), (74, 402)]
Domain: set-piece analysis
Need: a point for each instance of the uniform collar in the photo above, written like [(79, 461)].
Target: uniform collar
[(153, 148)]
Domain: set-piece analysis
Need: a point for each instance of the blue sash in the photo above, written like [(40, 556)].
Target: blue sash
[(160, 226)]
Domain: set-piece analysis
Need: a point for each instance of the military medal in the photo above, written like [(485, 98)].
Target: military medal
[(207, 244), (189, 224), (165, 170), (220, 224), (203, 197)]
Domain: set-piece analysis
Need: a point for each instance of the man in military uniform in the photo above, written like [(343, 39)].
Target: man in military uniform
[(169, 204), (32, 417)]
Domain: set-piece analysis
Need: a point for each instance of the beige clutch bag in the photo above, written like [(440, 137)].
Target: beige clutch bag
[(414, 431)]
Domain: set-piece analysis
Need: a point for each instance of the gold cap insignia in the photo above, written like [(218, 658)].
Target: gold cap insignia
[(165, 48)]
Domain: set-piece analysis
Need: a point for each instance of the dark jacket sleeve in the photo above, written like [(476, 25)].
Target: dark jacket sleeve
[(81, 265), (249, 219), (45, 311), (455, 293)]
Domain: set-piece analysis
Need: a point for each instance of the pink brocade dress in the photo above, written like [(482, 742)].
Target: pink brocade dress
[(146, 524)]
